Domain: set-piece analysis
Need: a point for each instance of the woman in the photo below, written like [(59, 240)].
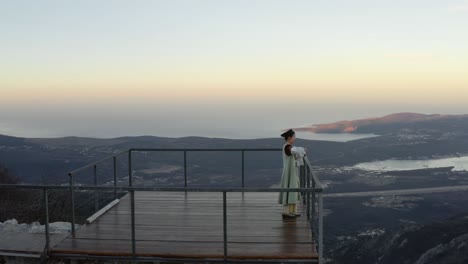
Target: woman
[(290, 176)]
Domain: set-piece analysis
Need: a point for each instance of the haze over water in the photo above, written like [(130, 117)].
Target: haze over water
[(232, 69), (225, 121)]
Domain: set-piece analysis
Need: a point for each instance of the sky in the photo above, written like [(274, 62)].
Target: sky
[(243, 68)]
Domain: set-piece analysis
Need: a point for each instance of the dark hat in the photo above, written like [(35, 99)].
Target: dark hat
[(288, 133)]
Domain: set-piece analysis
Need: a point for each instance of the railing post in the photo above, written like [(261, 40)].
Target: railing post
[(243, 170), (320, 221), (132, 201), (225, 226), (313, 198), (185, 168), (115, 177), (130, 180), (46, 206), (307, 174), (72, 198), (303, 183), (96, 192)]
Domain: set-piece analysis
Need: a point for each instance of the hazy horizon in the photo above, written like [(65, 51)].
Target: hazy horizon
[(235, 69), (209, 120)]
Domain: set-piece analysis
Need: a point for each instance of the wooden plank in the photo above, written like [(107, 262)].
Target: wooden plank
[(200, 238), (188, 249), (191, 226), (204, 232)]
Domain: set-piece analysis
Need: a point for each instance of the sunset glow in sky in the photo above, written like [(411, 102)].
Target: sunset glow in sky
[(248, 51)]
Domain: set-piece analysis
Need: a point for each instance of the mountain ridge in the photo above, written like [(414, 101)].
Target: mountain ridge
[(362, 125)]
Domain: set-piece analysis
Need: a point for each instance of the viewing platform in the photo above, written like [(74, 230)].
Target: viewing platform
[(185, 224)]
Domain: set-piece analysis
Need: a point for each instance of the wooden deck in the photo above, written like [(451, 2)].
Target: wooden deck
[(179, 225)]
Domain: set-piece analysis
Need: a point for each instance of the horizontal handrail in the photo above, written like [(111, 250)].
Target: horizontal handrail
[(205, 149), (156, 189), (165, 150)]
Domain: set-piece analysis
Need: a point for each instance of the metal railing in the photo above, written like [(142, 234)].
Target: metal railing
[(132, 190), (310, 188), (130, 164), (184, 151), (315, 200)]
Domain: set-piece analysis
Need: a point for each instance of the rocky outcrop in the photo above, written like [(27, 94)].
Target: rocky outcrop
[(441, 242)]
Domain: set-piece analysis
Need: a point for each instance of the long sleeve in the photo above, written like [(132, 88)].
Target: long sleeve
[(287, 150)]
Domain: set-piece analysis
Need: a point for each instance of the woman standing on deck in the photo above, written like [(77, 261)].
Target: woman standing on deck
[(290, 176)]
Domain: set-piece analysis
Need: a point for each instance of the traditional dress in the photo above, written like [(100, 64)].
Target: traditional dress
[(290, 178), (292, 159)]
